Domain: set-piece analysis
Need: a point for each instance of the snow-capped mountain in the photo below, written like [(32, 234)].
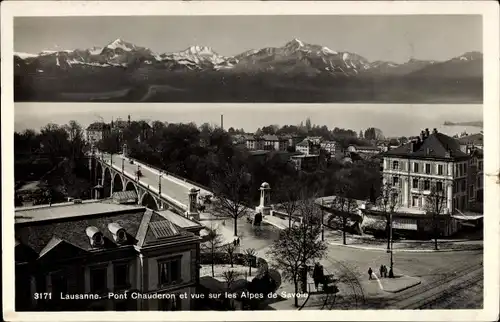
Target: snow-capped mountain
[(294, 57)]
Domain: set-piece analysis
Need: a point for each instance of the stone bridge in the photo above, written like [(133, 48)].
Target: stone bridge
[(155, 189)]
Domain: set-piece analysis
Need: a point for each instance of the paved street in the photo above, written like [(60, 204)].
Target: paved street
[(350, 265), (171, 187)]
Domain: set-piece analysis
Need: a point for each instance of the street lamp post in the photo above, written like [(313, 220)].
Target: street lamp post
[(391, 271), (322, 221), (159, 184), (123, 165)]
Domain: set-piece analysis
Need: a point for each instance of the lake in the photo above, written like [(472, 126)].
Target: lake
[(392, 119)]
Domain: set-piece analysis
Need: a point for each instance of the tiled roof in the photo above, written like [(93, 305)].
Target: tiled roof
[(366, 147), (178, 220), (98, 126), (474, 139), (436, 146), (121, 197), (52, 239), (269, 137)]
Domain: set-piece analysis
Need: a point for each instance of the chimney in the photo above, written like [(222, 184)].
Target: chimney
[(422, 135), (412, 146), (129, 119), (427, 133), (434, 131), (222, 121)]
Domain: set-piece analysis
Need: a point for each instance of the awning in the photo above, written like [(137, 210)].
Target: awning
[(466, 215)]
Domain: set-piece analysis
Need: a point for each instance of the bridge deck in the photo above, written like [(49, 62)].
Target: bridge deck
[(173, 189)]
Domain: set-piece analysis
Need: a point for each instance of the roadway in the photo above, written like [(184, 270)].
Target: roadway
[(172, 188)]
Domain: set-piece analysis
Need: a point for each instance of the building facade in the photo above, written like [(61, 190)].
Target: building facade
[(329, 146), (434, 162), (97, 131), (117, 257), (308, 147)]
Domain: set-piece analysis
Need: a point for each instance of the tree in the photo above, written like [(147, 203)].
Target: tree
[(213, 243), (230, 250), (435, 204), (308, 124), (344, 205), (360, 134), (230, 277), (387, 203), (230, 186), (290, 193), (299, 246), (250, 259)]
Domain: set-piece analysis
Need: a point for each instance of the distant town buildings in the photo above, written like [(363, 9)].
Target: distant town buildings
[(305, 162), (96, 248), (308, 147), (97, 131)]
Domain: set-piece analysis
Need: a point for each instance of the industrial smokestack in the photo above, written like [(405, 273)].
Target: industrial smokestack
[(222, 121)]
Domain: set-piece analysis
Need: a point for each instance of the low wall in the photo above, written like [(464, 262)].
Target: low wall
[(220, 258)]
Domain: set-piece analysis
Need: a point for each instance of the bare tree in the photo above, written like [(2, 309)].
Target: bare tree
[(290, 193), (387, 204), (230, 277), (435, 204), (212, 244), (299, 246), (249, 259), (231, 186), (344, 205), (230, 250)]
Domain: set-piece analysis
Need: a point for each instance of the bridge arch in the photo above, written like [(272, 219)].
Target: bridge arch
[(149, 201), (98, 172), (130, 186), (107, 183), (117, 183)]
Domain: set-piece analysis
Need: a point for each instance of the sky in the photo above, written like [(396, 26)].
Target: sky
[(389, 38), (392, 119)]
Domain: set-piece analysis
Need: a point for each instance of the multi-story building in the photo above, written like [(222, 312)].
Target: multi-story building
[(433, 161), (97, 131), (308, 147), (87, 256), (371, 150), (471, 141), (282, 144), (270, 142), (305, 162), (329, 146), (254, 142)]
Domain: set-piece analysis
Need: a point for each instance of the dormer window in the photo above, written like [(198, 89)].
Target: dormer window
[(95, 236), (119, 234)]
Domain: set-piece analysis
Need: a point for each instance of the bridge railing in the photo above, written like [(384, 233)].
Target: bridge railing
[(147, 186), (172, 175)]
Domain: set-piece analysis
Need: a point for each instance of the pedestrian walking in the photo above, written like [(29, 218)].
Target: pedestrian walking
[(381, 270), (238, 242), (385, 271), (234, 242), (370, 272)]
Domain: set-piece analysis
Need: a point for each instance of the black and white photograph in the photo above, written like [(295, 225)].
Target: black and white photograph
[(238, 160)]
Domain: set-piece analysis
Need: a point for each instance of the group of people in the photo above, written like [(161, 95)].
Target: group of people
[(384, 272), (236, 242)]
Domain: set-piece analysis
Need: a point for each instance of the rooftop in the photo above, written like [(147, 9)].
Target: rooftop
[(432, 146), (68, 210), (473, 139), (98, 126), (67, 237)]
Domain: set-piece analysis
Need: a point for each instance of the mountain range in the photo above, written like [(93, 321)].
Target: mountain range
[(297, 71)]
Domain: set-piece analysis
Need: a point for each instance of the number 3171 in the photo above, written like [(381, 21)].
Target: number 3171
[(42, 296)]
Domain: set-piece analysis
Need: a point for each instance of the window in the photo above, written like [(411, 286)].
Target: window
[(98, 279), (463, 186), (414, 201), (415, 184), (121, 276), (439, 186), (471, 191), (59, 283), (415, 167), (427, 185), (440, 169), (395, 165), (395, 181), (169, 271), (427, 168)]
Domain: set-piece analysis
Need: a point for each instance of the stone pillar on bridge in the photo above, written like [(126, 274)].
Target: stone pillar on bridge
[(265, 200), (124, 150), (98, 190), (192, 211)]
